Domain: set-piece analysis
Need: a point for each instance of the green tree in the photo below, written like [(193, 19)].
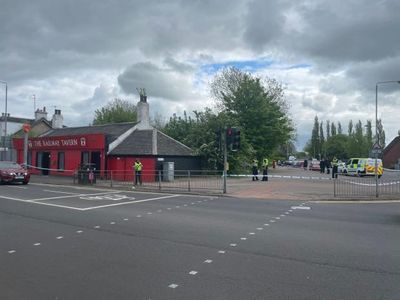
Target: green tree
[(333, 129), (337, 146), (313, 146), (368, 135), (116, 111), (339, 128), (321, 138), (328, 129), (258, 108), (381, 138), (350, 128)]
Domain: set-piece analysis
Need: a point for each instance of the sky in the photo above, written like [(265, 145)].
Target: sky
[(77, 56)]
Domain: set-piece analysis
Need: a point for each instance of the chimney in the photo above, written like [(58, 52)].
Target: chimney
[(142, 110), (57, 120), (39, 113)]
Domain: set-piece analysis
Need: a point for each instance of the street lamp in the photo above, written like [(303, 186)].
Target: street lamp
[(376, 128), (5, 119)]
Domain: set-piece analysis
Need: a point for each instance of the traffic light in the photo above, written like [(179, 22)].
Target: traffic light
[(229, 137), (235, 139)]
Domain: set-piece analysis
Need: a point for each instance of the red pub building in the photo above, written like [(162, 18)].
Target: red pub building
[(110, 147)]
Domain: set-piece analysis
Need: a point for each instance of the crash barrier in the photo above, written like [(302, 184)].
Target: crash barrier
[(179, 180), (354, 187)]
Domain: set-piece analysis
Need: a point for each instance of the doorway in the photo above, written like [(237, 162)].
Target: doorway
[(45, 163)]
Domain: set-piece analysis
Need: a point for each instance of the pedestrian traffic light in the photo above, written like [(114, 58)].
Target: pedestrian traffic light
[(235, 139), (229, 137)]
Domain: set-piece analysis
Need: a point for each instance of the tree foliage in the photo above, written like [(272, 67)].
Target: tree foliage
[(116, 111)]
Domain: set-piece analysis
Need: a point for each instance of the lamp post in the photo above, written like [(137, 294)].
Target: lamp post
[(5, 119), (376, 128)]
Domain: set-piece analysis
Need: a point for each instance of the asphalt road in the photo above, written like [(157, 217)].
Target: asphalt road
[(68, 243)]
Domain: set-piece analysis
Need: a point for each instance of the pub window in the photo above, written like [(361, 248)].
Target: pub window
[(61, 161)]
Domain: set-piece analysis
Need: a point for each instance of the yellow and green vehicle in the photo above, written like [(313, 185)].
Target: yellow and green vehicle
[(363, 167)]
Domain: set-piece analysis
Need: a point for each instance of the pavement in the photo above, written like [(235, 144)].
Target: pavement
[(284, 183)]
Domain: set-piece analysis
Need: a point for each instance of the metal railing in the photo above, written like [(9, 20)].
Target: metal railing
[(178, 180), (355, 187)]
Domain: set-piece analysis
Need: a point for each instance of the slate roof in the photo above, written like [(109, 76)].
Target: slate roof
[(111, 131), (391, 144), (140, 142)]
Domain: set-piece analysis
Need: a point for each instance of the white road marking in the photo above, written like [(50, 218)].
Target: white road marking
[(149, 213), (177, 206), (192, 203), (260, 228), (272, 221), (169, 208), (130, 202), (301, 207), (199, 201), (243, 238), (221, 252), (70, 196), (11, 251), (266, 224), (193, 272), (59, 237), (97, 226), (208, 261), (126, 219), (112, 223), (173, 286), (252, 233), (278, 218), (233, 245), (37, 244), (290, 210), (17, 187), (184, 204), (79, 231), (159, 210), (60, 192), (138, 216), (287, 213), (283, 215)]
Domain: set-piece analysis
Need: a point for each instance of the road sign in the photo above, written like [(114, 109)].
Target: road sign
[(376, 146), (376, 151)]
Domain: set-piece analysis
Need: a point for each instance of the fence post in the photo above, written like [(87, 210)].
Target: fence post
[(159, 180), (189, 180), (334, 187), (111, 178)]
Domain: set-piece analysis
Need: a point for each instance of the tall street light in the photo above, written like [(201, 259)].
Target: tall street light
[(5, 118), (376, 128)]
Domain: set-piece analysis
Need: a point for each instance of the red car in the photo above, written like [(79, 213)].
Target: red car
[(13, 172)]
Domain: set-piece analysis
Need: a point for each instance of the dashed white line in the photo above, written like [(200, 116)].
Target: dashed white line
[(301, 207), (272, 221), (252, 233), (177, 206), (126, 219), (184, 204), (243, 238), (278, 218), (112, 223), (37, 244), (11, 251), (221, 252), (159, 210), (266, 224), (283, 215), (208, 261), (169, 208), (59, 237), (79, 231), (193, 203), (138, 216), (193, 272), (149, 213), (173, 286), (233, 245), (97, 226), (260, 228)]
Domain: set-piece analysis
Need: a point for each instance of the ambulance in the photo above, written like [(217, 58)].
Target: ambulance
[(363, 167)]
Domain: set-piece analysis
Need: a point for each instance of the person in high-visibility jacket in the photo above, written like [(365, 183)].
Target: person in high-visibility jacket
[(138, 166), (334, 167), (265, 169)]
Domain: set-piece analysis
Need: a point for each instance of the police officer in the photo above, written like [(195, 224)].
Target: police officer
[(138, 172), (255, 169), (334, 167), (265, 169)]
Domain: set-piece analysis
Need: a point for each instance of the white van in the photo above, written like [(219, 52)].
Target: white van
[(363, 167)]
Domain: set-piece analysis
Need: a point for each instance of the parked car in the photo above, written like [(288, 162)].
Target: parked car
[(13, 172), (314, 165), (342, 167)]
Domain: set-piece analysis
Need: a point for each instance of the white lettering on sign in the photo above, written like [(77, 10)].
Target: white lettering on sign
[(70, 142)]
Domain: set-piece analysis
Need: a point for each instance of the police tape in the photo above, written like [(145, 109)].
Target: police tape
[(46, 169), (372, 184), (391, 171), (282, 176)]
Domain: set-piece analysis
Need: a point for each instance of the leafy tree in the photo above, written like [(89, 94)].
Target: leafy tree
[(321, 137), (333, 129), (381, 138), (368, 135), (313, 147), (339, 129), (328, 129), (337, 146), (350, 129), (116, 111), (258, 108)]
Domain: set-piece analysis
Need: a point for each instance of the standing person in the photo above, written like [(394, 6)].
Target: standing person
[(322, 166), (138, 172), (265, 169), (255, 169), (334, 167), (305, 164)]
